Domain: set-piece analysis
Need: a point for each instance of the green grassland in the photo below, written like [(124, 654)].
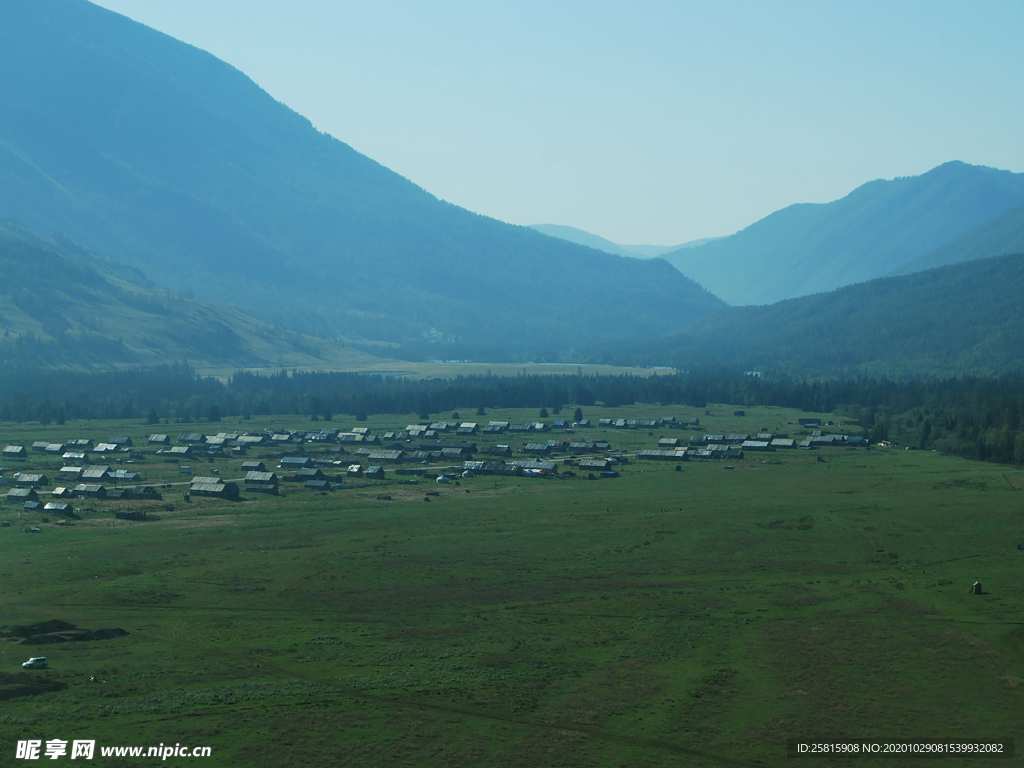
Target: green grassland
[(698, 617)]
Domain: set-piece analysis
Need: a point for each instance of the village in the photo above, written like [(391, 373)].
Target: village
[(52, 478)]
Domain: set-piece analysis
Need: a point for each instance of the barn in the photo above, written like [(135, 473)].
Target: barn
[(215, 487)]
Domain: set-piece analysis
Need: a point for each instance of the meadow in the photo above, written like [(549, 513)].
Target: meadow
[(692, 616)]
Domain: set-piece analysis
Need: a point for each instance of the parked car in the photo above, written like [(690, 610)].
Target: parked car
[(36, 662)]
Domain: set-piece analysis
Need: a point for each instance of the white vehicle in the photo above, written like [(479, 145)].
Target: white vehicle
[(36, 662)]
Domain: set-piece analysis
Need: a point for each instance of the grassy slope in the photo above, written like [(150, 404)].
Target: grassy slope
[(86, 318), (699, 617)]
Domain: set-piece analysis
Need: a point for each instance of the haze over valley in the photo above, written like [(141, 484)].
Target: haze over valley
[(121, 142), (510, 385)]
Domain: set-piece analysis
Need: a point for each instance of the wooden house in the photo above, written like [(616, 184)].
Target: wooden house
[(306, 474), (215, 487), (497, 450), (31, 480), (261, 482), (89, 491), (176, 452), (21, 495), (385, 457), (60, 508), (539, 467)]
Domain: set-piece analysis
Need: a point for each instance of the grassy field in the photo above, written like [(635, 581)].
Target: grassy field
[(699, 617)]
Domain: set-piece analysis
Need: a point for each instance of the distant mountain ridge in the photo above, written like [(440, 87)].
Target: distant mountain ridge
[(582, 237), (167, 159), (874, 231)]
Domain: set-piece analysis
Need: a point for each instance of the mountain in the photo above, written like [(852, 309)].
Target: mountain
[(999, 235), (582, 237), (873, 231), (171, 161), (74, 311), (962, 319)]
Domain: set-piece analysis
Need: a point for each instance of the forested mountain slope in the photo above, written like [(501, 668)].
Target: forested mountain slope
[(59, 312), (963, 319), (999, 235), (163, 157)]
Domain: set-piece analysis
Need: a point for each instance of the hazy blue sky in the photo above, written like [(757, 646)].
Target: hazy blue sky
[(643, 122)]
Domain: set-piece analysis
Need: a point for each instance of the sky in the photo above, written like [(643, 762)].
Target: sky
[(642, 122)]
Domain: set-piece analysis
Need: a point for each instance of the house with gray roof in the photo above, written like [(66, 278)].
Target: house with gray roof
[(95, 472), (89, 491), (261, 482), (60, 508), (385, 457), (213, 486), (21, 495), (31, 480)]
